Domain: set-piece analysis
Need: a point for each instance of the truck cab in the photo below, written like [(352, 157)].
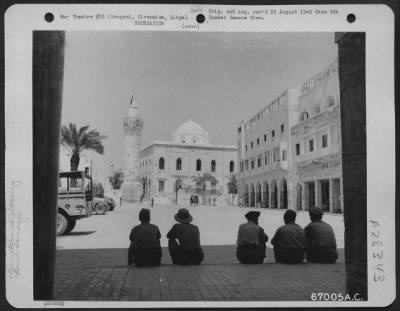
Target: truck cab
[(75, 196)]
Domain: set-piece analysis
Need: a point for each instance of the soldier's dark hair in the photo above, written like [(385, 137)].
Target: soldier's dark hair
[(144, 215), (289, 216)]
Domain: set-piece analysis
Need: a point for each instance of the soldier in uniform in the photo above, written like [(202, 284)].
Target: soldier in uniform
[(145, 247), (289, 240), (251, 240), (184, 240), (320, 239)]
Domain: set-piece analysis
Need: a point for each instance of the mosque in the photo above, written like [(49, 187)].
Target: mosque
[(164, 170)]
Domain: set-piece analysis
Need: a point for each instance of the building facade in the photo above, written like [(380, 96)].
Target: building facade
[(289, 153), (167, 168), (316, 144), (264, 150)]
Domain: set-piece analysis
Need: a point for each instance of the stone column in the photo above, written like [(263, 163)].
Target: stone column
[(351, 47), (331, 197), (318, 194), (47, 79)]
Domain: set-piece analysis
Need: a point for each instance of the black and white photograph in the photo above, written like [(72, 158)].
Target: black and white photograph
[(196, 168)]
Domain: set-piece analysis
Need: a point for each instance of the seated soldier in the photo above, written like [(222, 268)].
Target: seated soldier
[(184, 240), (289, 240), (320, 239), (145, 247), (251, 240)]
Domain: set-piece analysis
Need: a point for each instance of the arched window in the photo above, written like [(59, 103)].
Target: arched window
[(317, 109), (178, 164), (231, 166), (330, 101), (304, 116), (161, 163), (198, 165), (213, 165)]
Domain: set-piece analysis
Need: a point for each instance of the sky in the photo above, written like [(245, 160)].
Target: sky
[(216, 78)]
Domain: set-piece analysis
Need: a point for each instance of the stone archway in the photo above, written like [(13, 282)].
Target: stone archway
[(299, 197), (252, 195), (265, 203), (246, 195), (274, 194), (283, 194)]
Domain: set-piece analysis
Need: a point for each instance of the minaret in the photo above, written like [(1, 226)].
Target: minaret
[(132, 188)]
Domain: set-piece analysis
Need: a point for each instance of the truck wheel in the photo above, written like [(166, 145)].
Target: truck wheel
[(100, 209), (62, 224), (71, 225)]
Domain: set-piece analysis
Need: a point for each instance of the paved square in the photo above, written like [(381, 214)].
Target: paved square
[(91, 262)]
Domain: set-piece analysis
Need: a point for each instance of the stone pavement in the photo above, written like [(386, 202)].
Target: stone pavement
[(102, 274)]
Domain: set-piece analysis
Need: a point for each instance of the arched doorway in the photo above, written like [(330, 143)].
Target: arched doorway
[(299, 197), (252, 195), (258, 195), (246, 196), (274, 195), (283, 194), (265, 195)]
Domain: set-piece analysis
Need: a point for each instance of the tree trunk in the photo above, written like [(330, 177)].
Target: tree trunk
[(74, 162), (47, 77)]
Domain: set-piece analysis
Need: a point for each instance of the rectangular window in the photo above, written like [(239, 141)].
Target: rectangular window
[(266, 159), (283, 155), (246, 147), (273, 133), (252, 164), (258, 141), (276, 154), (247, 165), (311, 145), (251, 145), (259, 161), (297, 149), (282, 128), (324, 141), (265, 137), (161, 185)]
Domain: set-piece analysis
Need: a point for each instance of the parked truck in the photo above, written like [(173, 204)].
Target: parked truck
[(75, 199)]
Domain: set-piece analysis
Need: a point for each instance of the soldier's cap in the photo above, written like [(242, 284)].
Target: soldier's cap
[(252, 215), (315, 211)]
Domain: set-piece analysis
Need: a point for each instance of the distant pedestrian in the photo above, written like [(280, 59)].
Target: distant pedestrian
[(145, 247), (240, 202), (152, 202), (184, 240), (120, 201), (251, 240), (191, 200), (209, 201), (320, 239), (196, 200), (214, 200), (289, 240)]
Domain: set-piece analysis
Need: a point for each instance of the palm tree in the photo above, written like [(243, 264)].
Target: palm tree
[(76, 141), (202, 179)]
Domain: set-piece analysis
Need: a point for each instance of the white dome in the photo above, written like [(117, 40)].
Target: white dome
[(190, 132)]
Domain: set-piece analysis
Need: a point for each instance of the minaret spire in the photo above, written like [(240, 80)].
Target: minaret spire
[(133, 126)]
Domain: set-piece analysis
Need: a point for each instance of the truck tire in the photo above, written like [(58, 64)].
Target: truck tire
[(100, 208), (71, 225), (62, 224)]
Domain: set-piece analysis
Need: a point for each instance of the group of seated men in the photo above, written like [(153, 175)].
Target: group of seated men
[(316, 242)]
